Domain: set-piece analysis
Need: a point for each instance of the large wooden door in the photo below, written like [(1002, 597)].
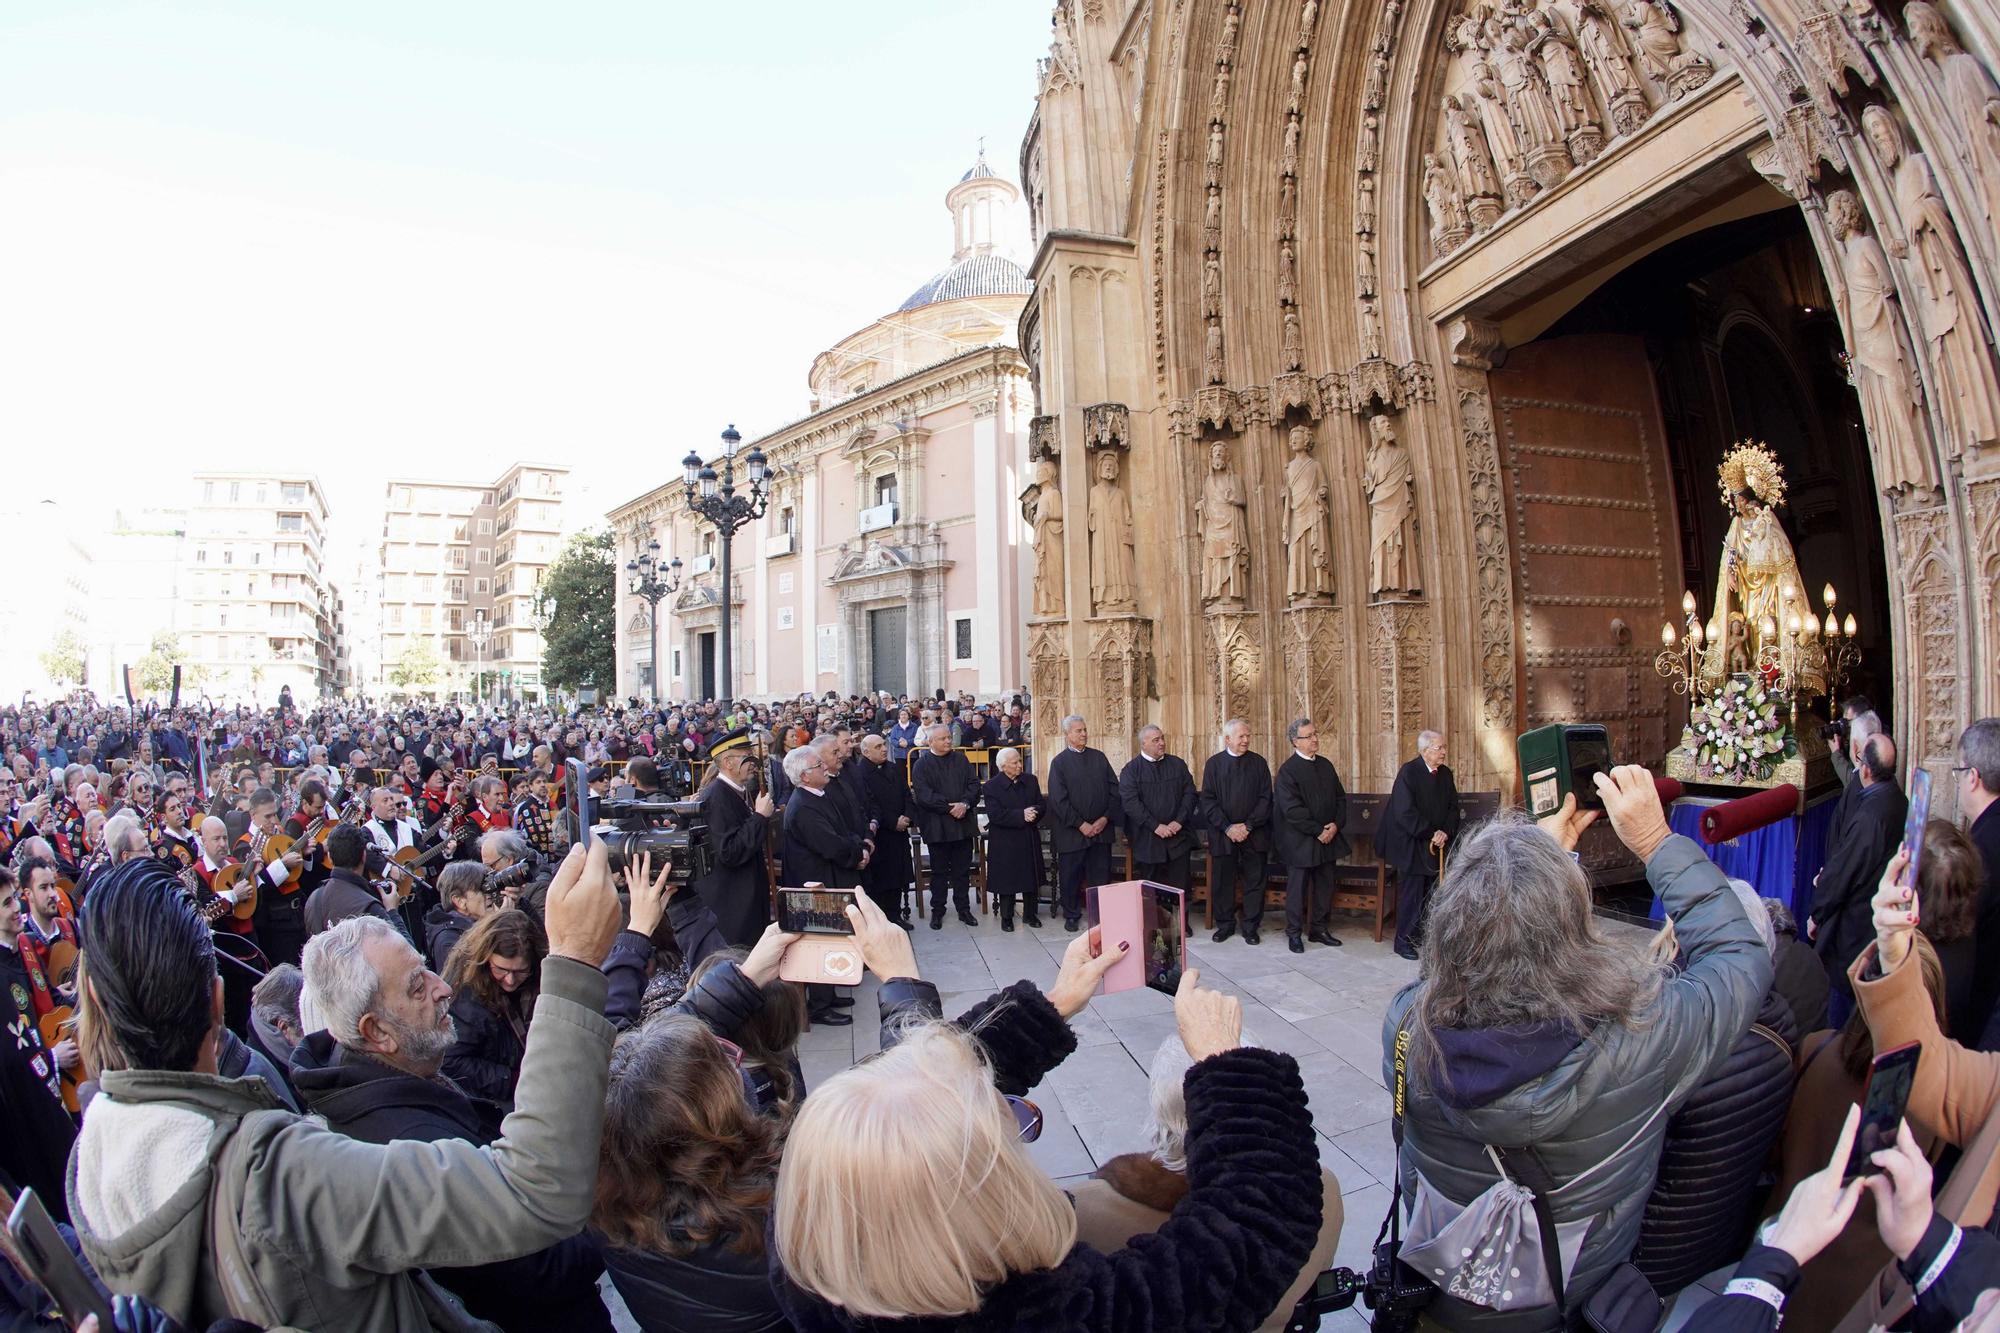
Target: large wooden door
[(889, 650), (1596, 547)]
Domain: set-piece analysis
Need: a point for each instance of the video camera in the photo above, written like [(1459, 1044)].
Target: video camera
[(1392, 1291), (674, 833)]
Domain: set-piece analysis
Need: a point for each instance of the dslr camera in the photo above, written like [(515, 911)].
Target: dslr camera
[(674, 833), (1391, 1290)]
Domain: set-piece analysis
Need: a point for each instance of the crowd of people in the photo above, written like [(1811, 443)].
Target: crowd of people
[(321, 1021)]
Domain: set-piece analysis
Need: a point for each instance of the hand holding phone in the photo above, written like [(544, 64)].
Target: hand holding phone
[(1890, 1078), (36, 1248), (1914, 821), (826, 951)]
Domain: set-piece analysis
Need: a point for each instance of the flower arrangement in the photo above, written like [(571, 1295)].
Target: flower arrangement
[(1741, 732)]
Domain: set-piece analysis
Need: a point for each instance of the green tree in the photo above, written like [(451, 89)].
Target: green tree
[(419, 667), (154, 672), (577, 604), (63, 661)]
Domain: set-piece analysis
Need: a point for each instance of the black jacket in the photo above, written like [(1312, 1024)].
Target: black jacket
[(364, 1099), (1013, 845), (938, 782), (485, 1060), (711, 1290), (1082, 790), (889, 796), (1152, 792), (1985, 835), (1706, 1189), (1236, 789), (1973, 1268), (626, 967), (442, 927), (1421, 803), (820, 845), (1217, 1265), (1854, 864), (736, 887), (1306, 796), (344, 894)]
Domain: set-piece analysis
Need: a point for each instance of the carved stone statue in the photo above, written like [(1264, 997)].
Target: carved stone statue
[(1499, 123), (1656, 37), (1045, 515), (1389, 483), (1478, 182), (1214, 158), (1111, 579), (1288, 154), (1563, 70), (1947, 305), (1371, 328), (1882, 368), (1369, 146), (1364, 206), (1211, 219), (1535, 118), (1294, 339), (1222, 515), (1364, 265), (1308, 529), (1211, 353), (1211, 285), (1298, 93), (1618, 87), (1288, 273), (1970, 95), (1448, 228)]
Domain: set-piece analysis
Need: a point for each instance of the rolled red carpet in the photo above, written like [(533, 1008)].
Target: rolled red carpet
[(1670, 789), (1747, 814)]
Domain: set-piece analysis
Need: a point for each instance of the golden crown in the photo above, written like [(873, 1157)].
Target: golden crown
[(1754, 468)]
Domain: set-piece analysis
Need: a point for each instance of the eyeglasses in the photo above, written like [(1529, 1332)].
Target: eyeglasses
[(1027, 1117)]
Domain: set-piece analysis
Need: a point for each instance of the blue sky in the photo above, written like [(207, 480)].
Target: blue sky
[(432, 236)]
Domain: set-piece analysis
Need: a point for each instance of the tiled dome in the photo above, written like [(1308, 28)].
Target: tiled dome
[(975, 275)]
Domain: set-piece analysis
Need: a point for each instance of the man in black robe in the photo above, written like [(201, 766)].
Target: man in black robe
[(888, 792), (1842, 918), (844, 778), (1978, 772), (1236, 810), (1083, 794), (1419, 822), (1157, 794), (737, 887), (821, 843), (946, 793), (1310, 805)]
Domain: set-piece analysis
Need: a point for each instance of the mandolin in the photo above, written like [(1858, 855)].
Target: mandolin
[(59, 1023)]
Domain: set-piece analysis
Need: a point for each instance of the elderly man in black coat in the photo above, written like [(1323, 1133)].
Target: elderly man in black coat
[(1014, 805), (1083, 803), (821, 844), (1418, 823), (1978, 772), (1310, 805), (1842, 918), (1236, 811), (1157, 794), (737, 887), (945, 792), (888, 795), (374, 1074)]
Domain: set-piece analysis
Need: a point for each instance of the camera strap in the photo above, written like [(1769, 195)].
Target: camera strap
[(1392, 1225)]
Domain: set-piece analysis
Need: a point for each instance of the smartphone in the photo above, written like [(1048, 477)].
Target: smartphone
[(1559, 759), (1914, 822), (36, 1248), (576, 800), (1163, 923), (1890, 1079), (815, 910)]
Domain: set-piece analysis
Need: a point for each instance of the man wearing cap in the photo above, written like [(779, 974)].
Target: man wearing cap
[(737, 887)]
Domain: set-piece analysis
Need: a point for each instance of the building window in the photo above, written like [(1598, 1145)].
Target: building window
[(208, 492), (961, 639), (677, 664), (263, 492), (457, 589), (485, 557), (788, 521), (486, 527), (291, 523), (395, 617), (294, 494), (201, 555), (229, 557), (885, 489), (486, 497), (480, 587)]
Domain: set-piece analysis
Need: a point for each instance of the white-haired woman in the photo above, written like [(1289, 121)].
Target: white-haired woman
[(1134, 1194), (905, 1192), (1014, 805)]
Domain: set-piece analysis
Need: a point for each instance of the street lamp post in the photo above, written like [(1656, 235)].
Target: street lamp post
[(481, 634), (650, 580), (716, 500)]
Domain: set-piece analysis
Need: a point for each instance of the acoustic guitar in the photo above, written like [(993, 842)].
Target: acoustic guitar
[(59, 1023)]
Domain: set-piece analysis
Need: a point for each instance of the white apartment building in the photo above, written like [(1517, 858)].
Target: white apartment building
[(258, 613)]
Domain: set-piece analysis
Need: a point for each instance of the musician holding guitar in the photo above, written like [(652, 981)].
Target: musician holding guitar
[(222, 876), (48, 945), (280, 910), (308, 828)]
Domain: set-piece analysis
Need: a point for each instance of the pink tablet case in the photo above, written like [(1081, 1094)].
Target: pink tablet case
[(1119, 918)]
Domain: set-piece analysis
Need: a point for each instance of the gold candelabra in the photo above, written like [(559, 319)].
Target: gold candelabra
[(1794, 648), (1679, 662)]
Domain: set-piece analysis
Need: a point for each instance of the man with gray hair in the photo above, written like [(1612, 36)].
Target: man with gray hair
[(1418, 823), (1236, 810), (1856, 854), (1083, 794), (1157, 794), (1309, 805), (1978, 772)]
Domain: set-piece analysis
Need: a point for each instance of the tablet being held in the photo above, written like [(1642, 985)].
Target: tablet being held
[(1150, 921)]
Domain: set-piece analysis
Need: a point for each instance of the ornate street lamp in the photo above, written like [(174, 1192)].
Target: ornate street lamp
[(651, 580), (714, 498), (481, 634)]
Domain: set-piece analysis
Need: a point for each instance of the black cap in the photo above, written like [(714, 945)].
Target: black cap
[(738, 739)]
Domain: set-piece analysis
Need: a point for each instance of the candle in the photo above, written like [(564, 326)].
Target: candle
[(1787, 591), (1687, 603), (1848, 628), (1667, 635), (1794, 624), (1812, 625), (1767, 628), (1694, 633), (1826, 595)]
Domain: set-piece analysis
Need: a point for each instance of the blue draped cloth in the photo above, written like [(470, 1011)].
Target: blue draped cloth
[(1780, 859)]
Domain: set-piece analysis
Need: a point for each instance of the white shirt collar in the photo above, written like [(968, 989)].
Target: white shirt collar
[(810, 791), (1149, 758), (734, 784), (1309, 758)]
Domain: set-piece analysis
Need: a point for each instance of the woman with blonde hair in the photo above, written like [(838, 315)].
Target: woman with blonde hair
[(906, 1193)]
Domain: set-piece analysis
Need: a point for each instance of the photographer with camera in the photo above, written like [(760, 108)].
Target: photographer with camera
[(513, 870), (1535, 1051), (347, 891), (464, 903)]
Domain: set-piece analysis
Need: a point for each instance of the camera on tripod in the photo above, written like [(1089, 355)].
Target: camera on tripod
[(1391, 1290)]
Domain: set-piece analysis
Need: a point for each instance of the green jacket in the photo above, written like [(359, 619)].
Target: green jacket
[(333, 1230)]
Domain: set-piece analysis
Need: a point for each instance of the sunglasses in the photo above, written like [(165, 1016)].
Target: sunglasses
[(1027, 1117)]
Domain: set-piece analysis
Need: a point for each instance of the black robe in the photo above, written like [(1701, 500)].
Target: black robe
[(1985, 835), (1082, 790), (1013, 845), (1842, 915), (820, 846), (1306, 796), (1152, 792), (938, 782), (736, 887), (1236, 789), (889, 797), (1420, 804), (34, 1150)]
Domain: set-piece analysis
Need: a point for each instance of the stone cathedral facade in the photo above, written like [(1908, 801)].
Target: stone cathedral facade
[(1383, 350)]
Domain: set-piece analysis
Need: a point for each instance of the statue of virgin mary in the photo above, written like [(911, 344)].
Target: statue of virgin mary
[(1757, 567)]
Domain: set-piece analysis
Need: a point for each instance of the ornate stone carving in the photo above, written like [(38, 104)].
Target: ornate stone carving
[(1969, 95), (1364, 205), (1113, 585), (1045, 437), (1293, 345), (1371, 328), (1880, 363), (1399, 652), (1367, 147), (1288, 273), (1213, 369), (1211, 285), (1107, 426), (1315, 663), (1478, 182), (1061, 69), (1828, 51), (1562, 69), (1042, 508), (1983, 505), (1238, 664), (1296, 390), (1308, 528), (1218, 409), (1662, 52), (1611, 74), (1537, 128), (1926, 572), (1476, 347), (1364, 265), (1388, 483), (1448, 223), (1947, 304), (1222, 517), (1121, 668), (1048, 662)]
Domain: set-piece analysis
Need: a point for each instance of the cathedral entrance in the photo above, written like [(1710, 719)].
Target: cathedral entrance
[(1612, 426)]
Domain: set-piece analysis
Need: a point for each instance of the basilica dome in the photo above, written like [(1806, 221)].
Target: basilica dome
[(974, 275)]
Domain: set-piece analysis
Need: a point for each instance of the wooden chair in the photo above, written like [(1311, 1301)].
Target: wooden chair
[(1362, 882)]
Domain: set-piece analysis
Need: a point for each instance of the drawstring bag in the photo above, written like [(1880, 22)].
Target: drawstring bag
[(1489, 1252)]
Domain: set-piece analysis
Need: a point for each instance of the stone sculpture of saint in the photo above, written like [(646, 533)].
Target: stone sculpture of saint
[(1222, 515), (1308, 528), (1970, 94), (1947, 307), (1610, 70), (1476, 177), (1389, 483), (1045, 516), (1533, 110), (1111, 579), (1881, 364)]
